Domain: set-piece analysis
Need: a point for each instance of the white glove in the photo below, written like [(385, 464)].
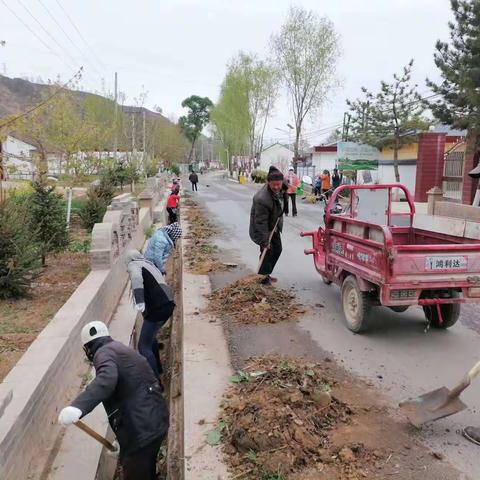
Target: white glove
[(116, 452), (140, 307), (69, 415)]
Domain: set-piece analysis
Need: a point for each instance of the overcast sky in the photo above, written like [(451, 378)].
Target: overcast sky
[(178, 48)]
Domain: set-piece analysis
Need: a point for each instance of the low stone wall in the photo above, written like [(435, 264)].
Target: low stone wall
[(48, 373)]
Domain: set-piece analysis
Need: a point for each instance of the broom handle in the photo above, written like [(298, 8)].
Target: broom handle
[(95, 435), (264, 252)]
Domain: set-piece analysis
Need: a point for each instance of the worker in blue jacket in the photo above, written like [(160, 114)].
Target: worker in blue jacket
[(162, 244)]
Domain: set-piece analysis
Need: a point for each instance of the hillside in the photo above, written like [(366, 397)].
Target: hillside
[(17, 95)]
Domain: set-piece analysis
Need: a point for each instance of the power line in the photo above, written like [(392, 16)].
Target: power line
[(68, 36), (44, 102), (34, 33), (47, 32), (80, 34)]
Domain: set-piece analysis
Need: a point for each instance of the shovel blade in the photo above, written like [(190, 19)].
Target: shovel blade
[(431, 406)]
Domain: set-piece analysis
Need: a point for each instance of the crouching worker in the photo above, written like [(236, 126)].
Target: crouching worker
[(131, 396), (161, 245), (154, 299)]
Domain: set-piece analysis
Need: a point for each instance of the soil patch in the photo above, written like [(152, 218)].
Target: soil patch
[(201, 254), (22, 320), (250, 302), (277, 422)]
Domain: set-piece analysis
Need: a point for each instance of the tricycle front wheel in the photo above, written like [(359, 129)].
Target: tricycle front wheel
[(356, 305)]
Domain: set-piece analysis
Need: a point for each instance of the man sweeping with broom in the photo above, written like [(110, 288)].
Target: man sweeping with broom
[(266, 222)]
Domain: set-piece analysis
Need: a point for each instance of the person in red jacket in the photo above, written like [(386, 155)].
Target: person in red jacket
[(172, 206), (293, 183)]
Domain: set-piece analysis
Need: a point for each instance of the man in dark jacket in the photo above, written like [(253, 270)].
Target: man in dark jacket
[(268, 207), (131, 396), (194, 180)]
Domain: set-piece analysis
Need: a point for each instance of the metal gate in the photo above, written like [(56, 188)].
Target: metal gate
[(453, 175)]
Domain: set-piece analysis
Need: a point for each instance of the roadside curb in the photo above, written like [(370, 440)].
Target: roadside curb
[(206, 368)]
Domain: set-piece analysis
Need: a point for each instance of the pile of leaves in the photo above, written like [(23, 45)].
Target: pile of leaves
[(248, 301), (200, 253), (276, 423)]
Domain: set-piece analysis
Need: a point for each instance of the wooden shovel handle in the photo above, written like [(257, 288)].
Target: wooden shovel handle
[(264, 252), (467, 380), (95, 435)]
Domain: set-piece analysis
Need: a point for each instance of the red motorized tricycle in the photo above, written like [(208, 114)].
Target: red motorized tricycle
[(378, 257)]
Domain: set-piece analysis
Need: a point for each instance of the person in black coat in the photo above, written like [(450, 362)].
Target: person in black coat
[(268, 207), (131, 396), (154, 299), (193, 180)]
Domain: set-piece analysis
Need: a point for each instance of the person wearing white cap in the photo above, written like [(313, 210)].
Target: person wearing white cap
[(131, 396)]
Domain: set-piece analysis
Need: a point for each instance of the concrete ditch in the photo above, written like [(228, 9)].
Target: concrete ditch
[(50, 373)]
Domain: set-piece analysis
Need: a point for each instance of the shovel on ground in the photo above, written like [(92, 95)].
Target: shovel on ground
[(439, 403)]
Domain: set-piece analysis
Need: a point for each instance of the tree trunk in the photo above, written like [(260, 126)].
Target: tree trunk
[(295, 148), (395, 159)]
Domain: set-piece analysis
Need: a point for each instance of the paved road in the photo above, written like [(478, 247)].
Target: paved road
[(395, 354)]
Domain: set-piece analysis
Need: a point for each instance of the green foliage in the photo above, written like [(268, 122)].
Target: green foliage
[(48, 214), (120, 173), (93, 210), (197, 118), (79, 246), (175, 169), (259, 176), (19, 252), (459, 65), (214, 436)]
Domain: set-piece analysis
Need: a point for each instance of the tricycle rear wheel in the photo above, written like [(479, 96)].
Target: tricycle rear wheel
[(450, 314), (356, 305)]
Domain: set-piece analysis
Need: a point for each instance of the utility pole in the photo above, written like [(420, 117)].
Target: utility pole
[(202, 153), (115, 124), (144, 143)]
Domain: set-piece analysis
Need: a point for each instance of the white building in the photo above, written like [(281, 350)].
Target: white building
[(17, 156), (277, 155), (324, 157)]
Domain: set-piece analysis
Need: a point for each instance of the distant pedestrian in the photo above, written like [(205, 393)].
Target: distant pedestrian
[(132, 398), (336, 179), (194, 181), (326, 184), (266, 218), (161, 245), (172, 207), (317, 186), (154, 300), (293, 183)]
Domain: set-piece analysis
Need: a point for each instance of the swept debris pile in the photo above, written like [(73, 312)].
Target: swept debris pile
[(276, 423), (248, 301), (200, 253)]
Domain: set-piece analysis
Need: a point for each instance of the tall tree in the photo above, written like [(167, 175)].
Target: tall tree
[(459, 64), (390, 118), (231, 116), (306, 51), (261, 86), (197, 118)]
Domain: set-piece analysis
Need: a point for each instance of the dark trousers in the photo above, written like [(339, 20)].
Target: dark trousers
[(272, 255), (172, 214), (142, 464), (316, 191), (148, 343), (293, 198), (194, 187)]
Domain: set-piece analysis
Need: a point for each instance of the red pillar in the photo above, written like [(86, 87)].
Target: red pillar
[(470, 162), (430, 161)]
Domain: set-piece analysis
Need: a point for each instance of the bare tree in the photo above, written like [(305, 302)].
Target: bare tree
[(306, 51)]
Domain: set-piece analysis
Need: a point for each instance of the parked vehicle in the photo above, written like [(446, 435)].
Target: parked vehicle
[(378, 257)]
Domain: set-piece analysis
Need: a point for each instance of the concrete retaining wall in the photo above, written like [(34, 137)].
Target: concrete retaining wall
[(48, 374)]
